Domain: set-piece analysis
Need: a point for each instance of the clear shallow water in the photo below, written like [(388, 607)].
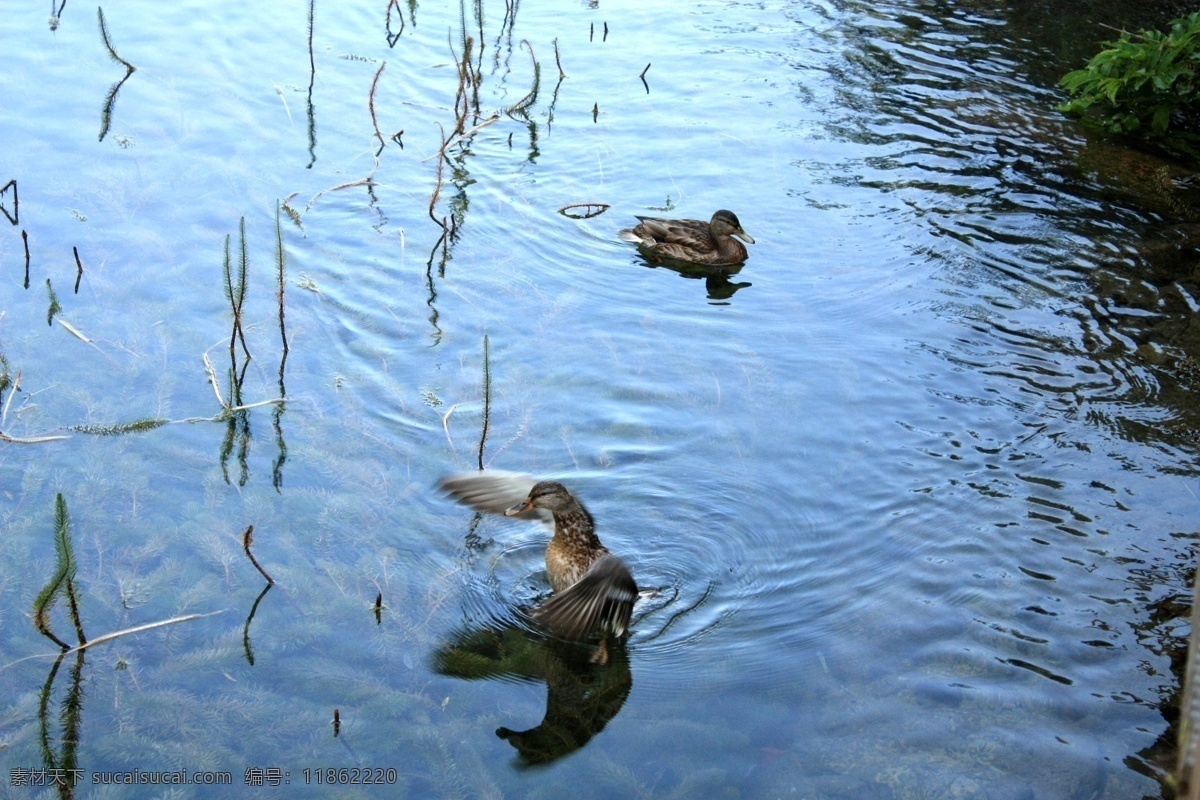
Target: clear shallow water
[(917, 500)]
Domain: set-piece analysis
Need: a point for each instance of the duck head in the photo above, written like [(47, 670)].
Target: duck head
[(726, 223), (550, 495)]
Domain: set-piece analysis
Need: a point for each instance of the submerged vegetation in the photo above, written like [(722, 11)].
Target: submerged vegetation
[(110, 99), (1140, 83)]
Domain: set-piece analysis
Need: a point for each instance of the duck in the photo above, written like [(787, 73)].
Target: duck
[(594, 590), (710, 243)]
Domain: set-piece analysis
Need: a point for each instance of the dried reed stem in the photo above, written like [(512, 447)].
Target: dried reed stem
[(371, 106), (12, 393), (247, 540), (437, 187), (16, 215), (74, 332), (557, 62), (487, 398), (212, 378), (280, 280), (138, 629)]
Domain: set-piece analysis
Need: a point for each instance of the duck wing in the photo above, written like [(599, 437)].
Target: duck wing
[(602, 599), (691, 233), (493, 490)]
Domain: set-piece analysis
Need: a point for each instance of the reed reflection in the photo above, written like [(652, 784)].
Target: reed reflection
[(61, 766)]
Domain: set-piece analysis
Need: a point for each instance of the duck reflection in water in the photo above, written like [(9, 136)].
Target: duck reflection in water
[(593, 597), (581, 695), (717, 281)]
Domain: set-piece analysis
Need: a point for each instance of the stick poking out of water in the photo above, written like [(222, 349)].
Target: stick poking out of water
[(247, 540), (79, 271), (487, 398)]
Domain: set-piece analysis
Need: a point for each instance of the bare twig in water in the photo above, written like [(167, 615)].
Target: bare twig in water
[(437, 187), (110, 636), (458, 137), (643, 77), (16, 215), (367, 181), (312, 79), (446, 426), (280, 280), (148, 626), (1121, 31), (590, 210), (31, 439), (25, 241), (259, 404), (73, 331), (487, 398), (247, 540), (4, 417), (557, 62), (283, 99), (371, 106), (392, 38), (212, 378), (79, 269)]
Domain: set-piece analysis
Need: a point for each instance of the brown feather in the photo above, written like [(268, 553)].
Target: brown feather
[(692, 240), (593, 588)]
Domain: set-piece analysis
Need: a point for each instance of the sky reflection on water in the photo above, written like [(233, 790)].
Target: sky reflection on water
[(914, 490)]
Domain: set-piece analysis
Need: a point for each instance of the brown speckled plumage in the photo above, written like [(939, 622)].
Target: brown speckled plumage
[(593, 589), (692, 240)]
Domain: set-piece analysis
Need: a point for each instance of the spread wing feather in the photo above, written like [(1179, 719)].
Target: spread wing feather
[(603, 598)]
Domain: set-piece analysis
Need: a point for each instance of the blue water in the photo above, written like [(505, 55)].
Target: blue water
[(913, 494)]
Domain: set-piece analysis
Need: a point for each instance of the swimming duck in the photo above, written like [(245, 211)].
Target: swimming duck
[(692, 240), (593, 589)]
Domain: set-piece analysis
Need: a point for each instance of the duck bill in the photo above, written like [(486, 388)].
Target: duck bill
[(745, 237), (519, 508)]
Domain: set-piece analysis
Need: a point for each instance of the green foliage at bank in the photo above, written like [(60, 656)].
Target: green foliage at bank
[(1138, 83)]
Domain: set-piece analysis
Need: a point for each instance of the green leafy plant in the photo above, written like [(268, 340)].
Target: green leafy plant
[(1136, 85)]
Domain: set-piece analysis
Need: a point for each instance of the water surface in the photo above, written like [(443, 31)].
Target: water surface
[(914, 491)]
